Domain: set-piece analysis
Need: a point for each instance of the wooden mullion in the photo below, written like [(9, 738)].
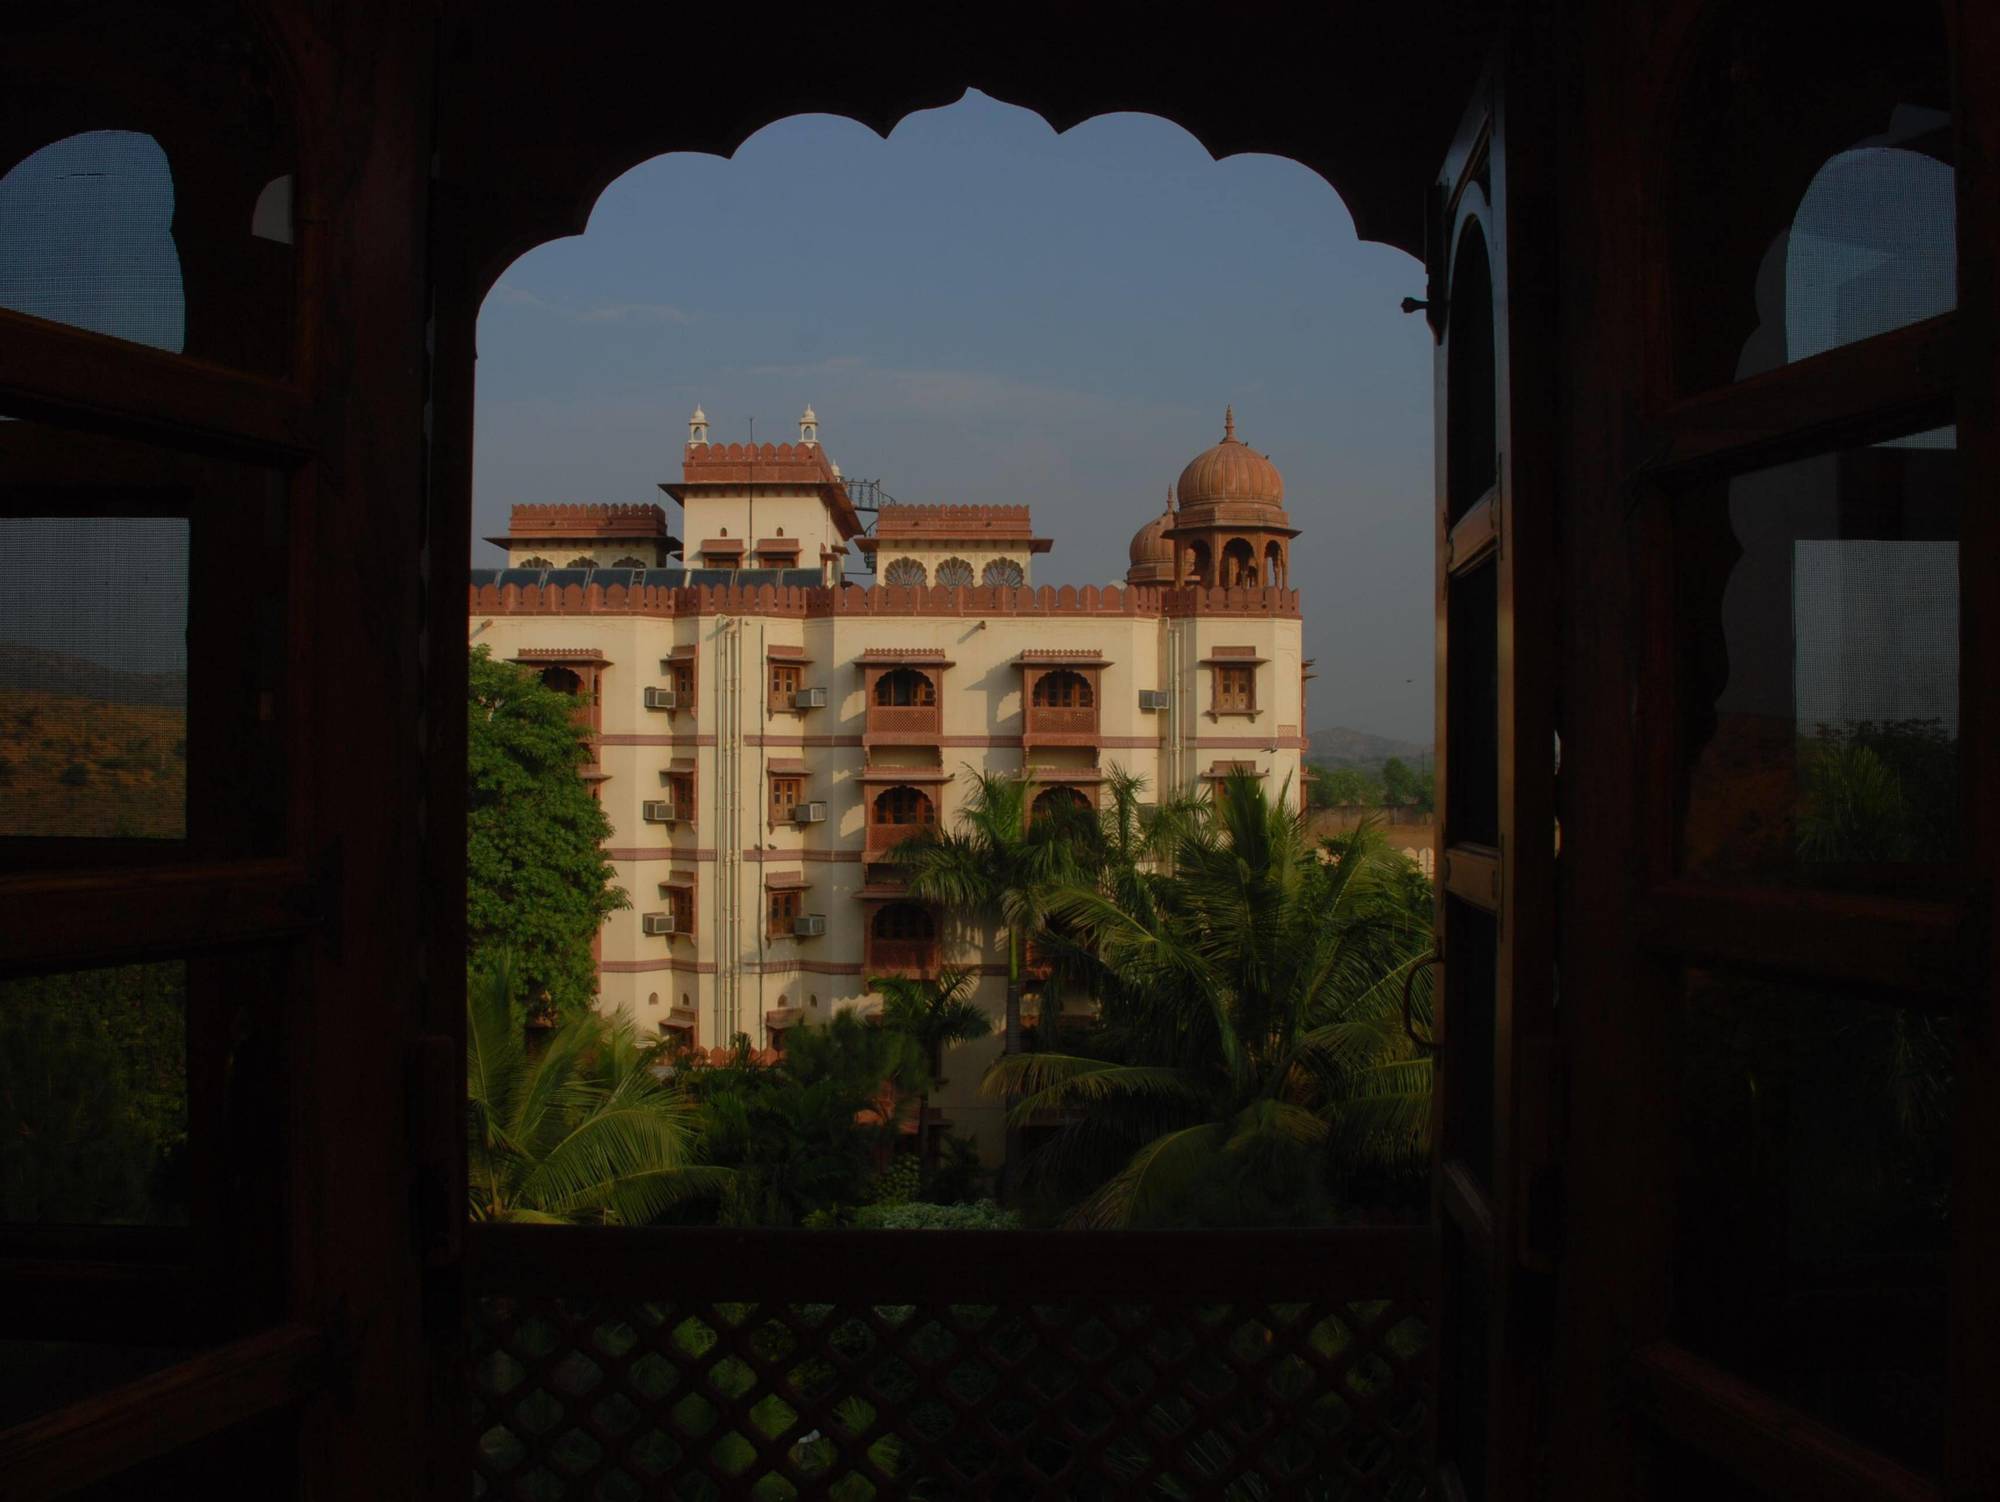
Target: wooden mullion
[(1895, 379), (57, 373), (1762, 1439), (78, 919), (113, 1431), (1926, 947)]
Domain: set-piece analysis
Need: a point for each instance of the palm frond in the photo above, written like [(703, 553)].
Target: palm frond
[(1158, 1175)]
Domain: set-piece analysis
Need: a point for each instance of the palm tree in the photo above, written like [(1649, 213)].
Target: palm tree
[(998, 866), (932, 1014), (582, 1131), (1250, 1054)]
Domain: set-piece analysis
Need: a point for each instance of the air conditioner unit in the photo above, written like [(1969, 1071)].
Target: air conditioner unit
[(809, 698), (1152, 698), (809, 926), (657, 811), (657, 923), (809, 813), (661, 698)]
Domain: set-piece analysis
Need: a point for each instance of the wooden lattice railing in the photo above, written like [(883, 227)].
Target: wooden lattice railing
[(934, 1364)]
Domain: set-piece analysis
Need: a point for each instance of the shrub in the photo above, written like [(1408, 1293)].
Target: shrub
[(985, 1215)]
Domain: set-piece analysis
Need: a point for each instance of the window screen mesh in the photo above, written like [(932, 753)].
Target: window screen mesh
[(93, 676)]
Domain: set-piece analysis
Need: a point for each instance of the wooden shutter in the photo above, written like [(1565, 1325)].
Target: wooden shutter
[(271, 876), (1494, 984)]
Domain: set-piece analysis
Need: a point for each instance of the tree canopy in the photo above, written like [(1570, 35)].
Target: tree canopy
[(1248, 1065), (538, 885), (581, 1130)]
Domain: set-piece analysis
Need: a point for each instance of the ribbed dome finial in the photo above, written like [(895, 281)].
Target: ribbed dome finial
[(1229, 423)]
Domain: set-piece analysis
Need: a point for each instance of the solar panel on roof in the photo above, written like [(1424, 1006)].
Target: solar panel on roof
[(623, 577), (561, 577), (520, 576), (665, 578), (483, 576)]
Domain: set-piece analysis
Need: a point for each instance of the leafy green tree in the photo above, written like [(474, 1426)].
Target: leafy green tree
[(582, 1131), (802, 1136), (537, 884), (1249, 1063), (94, 1096), (1337, 787), (1404, 785), (933, 1015)]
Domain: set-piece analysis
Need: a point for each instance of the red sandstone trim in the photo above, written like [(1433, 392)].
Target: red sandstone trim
[(928, 521), (587, 520), (642, 967), (656, 740), (881, 600)]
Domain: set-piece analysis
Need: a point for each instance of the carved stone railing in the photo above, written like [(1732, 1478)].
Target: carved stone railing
[(962, 1364), (917, 958), (1054, 720), (904, 719)]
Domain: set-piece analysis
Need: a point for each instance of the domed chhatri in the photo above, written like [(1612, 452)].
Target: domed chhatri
[(1229, 530), (1231, 472), (1152, 554)]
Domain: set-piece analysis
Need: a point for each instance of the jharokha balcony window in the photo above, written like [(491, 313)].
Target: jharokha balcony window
[(1061, 691), (902, 941), (904, 700), (895, 814)]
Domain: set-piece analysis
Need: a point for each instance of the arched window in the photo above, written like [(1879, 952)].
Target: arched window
[(584, 562), (905, 573), (102, 254), (954, 573), (1808, 214), (1059, 801), (1201, 567), (1274, 565), (1062, 689), (904, 920), (563, 681), (905, 687), (1239, 564), (1002, 573), (904, 805), (535, 562)]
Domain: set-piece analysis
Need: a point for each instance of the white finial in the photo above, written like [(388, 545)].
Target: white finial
[(698, 426), (808, 426), (836, 471)]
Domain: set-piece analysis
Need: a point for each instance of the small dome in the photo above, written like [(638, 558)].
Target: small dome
[(699, 415), (1231, 471), (1152, 553), (809, 415)]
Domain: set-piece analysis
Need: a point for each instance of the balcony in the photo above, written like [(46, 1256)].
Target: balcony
[(903, 724), (1062, 724), (916, 959), (970, 1363), (883, 838)]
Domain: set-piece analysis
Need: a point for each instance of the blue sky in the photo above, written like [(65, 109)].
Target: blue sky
[(982, 311)]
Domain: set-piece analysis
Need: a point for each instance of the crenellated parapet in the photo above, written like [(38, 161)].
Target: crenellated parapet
[(952, 521), (879, 600), (765, 463), (585, 519)]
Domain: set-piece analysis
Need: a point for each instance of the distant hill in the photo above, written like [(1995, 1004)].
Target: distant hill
[(1339, 746), (25, 669)]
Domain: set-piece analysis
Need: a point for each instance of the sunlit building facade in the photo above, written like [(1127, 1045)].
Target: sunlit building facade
[(763, 734)]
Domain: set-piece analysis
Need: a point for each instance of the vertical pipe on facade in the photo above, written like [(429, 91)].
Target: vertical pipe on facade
[(761, 903)]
